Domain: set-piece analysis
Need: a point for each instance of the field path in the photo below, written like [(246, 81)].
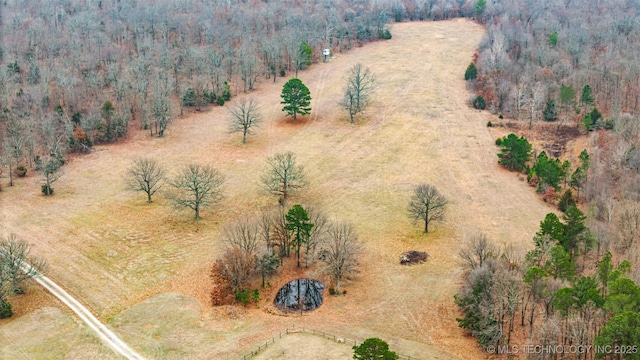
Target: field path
[(106, 335)]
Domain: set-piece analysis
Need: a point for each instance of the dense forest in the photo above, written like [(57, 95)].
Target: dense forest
[(74, 73)]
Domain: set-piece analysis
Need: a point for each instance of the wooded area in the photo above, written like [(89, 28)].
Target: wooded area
[(78, 73)]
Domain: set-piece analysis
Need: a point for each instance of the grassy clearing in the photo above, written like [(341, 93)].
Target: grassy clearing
[(112, 250), (288, 348), (49, 333)]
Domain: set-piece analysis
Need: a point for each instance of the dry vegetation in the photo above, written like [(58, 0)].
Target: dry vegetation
[(115, 252)]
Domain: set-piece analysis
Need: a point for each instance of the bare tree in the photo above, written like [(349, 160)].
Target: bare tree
[(283, 176), (161, 105), (629, 227), (360, 85), (281, 237), (146, 175), (340, 253), (266, 220), (477, 250), (535, 101), (267, 263), (236, 267), (244, 234), (427, 204), (299, 52), (317, 235), (56, 130), (13, 146), (197, 186), (519, 99), (244, 117), (13, 254), (248, 66)]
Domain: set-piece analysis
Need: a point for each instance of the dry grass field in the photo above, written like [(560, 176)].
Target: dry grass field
[(120, 256)]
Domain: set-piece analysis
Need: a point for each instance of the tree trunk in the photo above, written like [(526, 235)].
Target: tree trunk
[(48, 192), (426, 219), (10, 173), (298, 250), (533, 308)]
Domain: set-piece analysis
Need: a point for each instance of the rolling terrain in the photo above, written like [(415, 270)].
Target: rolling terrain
[(144, 268)]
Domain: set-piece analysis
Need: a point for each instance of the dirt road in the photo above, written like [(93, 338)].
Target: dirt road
[(106, 335)]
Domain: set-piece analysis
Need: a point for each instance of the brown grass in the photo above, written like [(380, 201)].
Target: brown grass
[(112, 250)]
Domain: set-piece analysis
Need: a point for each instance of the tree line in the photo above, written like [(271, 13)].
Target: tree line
[(578, 286), (558, 294)]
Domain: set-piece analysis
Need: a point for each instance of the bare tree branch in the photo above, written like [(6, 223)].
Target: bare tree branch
[(427, 204), (146, 175), (197, 186), (244, 117), (283, 176), (340, 253)]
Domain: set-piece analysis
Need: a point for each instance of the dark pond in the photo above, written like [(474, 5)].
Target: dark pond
[(300, 295)]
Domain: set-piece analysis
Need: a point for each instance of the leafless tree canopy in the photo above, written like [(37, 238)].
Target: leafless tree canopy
[(13, 147), (197, 186), (340, 253), (629, 227), (267, 263), (244, 234), (283, 175), (236, 267), (357, 92), (13, 252), (244, 118), (427, 204), (146, 175), (477, 250), (317, 235), (281, 237)]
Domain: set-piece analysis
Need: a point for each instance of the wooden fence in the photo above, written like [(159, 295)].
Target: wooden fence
[(336, 338)]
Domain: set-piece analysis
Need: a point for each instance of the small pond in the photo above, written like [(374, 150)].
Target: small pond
[(300, 295)]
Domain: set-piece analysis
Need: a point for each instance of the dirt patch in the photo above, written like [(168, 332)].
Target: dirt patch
[(300, 121), (550, 137)]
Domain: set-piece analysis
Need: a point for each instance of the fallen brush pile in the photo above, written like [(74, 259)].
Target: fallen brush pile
[(413, 257)]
